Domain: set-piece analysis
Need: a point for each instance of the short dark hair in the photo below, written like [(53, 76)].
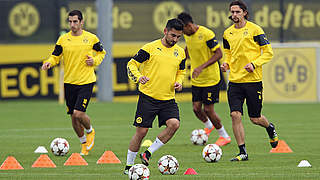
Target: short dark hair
[(76, 13), (242, 5), (174, 23), (185, 18)]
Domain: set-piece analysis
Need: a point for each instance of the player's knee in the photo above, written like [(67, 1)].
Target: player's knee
[(173, 124), (235, 115), (77, 115), (255, 120), (142, 132), (208, 109)]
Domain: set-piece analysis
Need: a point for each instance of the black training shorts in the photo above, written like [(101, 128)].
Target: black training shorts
[(148, 108), (251, 92), (77, 96), (206, 95)]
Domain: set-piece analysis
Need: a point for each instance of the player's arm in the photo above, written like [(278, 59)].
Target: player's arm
[(134, 64), (54, 58), (226, 48), (267, 53), (100, 53), (180, 75), (186, 52)]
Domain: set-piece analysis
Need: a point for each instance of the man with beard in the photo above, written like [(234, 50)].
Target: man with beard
[(246, 49), (77, 48), (159, 68)]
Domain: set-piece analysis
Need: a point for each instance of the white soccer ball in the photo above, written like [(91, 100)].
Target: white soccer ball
[(199, 137), (211, 153), (139, 171), (59, 147), (168, 165)]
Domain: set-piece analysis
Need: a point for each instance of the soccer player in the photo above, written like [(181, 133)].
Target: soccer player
[(77, 48), (246, 49), (204, 52), (159, 68)]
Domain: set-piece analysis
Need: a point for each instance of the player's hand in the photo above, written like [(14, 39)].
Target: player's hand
[(89, 61), (196, 72), (224, 67), (249, 67), (177, 86), (46, 66), (143, 80)]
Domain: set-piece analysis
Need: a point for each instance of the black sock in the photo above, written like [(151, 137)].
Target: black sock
[(270, 130), (242, 149)]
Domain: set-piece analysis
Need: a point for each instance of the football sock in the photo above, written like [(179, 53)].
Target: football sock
[(83, 139), (208, 124), (222, 132), (131, 156), (89, 130), (270, 130), (155, 145), (242, 149)]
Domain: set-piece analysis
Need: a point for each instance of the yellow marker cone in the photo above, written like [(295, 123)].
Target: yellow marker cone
[(146, 143)]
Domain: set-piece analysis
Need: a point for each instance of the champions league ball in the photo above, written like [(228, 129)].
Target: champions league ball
[(199, 137), (211, 153), (139, 171), (168, 165), (59, 147)]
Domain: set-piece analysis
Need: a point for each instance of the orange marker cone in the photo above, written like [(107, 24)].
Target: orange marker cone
[(108, 157), (44, 162), (281, 148), (75, 160), (10, 163), (190, 171)]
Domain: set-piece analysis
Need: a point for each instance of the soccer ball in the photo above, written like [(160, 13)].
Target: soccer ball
[(199, 137), (59, 147), (139, 171), (168, 165), (211, 153)]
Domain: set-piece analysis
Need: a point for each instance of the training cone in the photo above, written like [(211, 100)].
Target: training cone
[(75, 160), (41, 149), (281, 148), (304, 163), (146, 143), (10, 163), (190, 171), (43, 162), (108, 157)]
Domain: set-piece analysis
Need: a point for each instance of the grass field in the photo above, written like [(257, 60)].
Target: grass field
[(25, 125)]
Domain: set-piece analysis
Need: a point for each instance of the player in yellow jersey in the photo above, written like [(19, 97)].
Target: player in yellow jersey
[(159, 68), (77, 48), (204, 52), (247, 49)]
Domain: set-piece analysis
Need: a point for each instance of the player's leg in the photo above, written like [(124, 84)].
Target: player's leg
[(210, 96), (71, 93), (254, 104), (83, 99), (236, 99), (145, 114), (168, 115), (198, 111)]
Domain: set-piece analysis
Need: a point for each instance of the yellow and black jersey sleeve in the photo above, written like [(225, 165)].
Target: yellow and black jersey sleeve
[(134, 64), (212, 41), (267, 53)]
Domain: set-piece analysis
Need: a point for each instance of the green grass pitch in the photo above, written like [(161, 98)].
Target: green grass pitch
[(25, 125)]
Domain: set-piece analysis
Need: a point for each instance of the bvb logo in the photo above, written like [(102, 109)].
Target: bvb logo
[(165, 11), (139, 120), (291, 74), (24, 19)]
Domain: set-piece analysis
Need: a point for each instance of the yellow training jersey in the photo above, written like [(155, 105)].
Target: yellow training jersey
[(201, 46), (163, 66), (74, 50), (246, 45)]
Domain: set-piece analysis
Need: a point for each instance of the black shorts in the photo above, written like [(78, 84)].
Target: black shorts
[(77, 96), (251, 92), (148, 108), (207, 95)]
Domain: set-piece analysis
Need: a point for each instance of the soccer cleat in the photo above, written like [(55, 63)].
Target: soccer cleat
[(223, 141), (84, 150), (240, 157), (208, 131), (274, 139), (90, 140), (126, 169), (145, 157)]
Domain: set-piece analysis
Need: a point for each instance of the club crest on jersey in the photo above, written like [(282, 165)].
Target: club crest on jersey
[(175, 53), (200, 36), (85, 40), (245, 33)]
